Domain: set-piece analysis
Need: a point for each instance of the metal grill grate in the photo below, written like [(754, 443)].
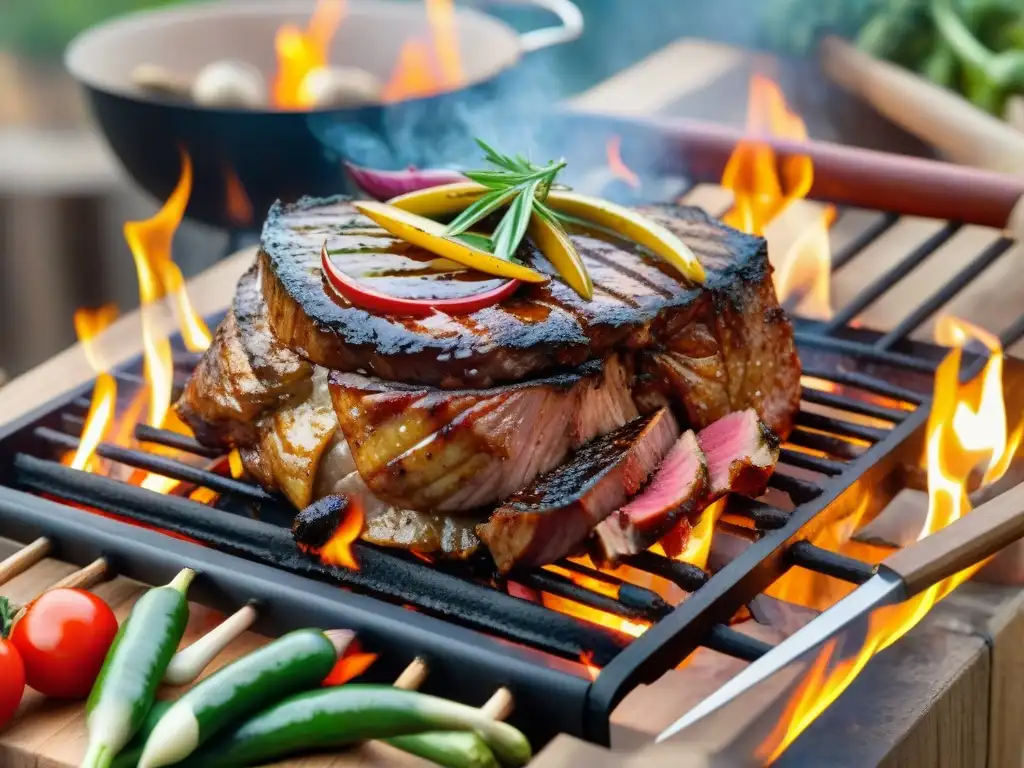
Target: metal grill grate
[(851, 436)]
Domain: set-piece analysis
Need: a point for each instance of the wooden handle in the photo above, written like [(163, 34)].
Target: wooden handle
[(970, 540), (961, 131)]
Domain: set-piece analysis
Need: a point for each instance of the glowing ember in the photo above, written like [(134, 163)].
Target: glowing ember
[(300, 52), (587, 660), (338, 551), (159, 276), (616, 165), (350, 666), (88, 325), (764, 188), (967, 425), (235, 464), (428, 67)]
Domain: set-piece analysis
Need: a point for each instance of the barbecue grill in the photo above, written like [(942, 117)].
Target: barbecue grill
[(850, 444)]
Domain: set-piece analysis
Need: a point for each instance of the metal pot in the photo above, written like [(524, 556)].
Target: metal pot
[(244, 159)]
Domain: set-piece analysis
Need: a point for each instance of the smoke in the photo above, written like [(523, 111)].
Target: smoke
[(513, 110)]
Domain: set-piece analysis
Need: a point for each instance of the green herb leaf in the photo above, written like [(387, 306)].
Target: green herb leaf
[(7, 613), (475, 239), (512, 228), (482, 208)]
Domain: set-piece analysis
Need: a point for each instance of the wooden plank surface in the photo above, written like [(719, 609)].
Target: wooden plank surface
[(51, 734)]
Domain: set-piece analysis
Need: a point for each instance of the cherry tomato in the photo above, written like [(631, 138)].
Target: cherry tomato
[(63, 639), (12, 680)]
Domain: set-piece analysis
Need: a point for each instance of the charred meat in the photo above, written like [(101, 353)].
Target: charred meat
[(676, 491), (553, 409), (551, 517)]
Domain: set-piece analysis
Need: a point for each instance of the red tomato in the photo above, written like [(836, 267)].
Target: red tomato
[(63, 639), (12, 680)]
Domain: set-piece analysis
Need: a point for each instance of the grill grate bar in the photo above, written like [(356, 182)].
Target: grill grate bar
[(866, 237), (839, 402), (396, 578), (868, 383), (686, 576), (72, 423), (885, 282), (1013, 334), (813, 463), (951, 288), (177, 470), (840, 427), (817, 338), (800, 491), (637, 603), (765, 516), (165, 437), (56, 438), (839, 566), (830, 444), (725, 639)]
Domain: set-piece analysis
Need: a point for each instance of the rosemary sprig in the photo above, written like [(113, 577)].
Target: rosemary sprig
[(517, 183)]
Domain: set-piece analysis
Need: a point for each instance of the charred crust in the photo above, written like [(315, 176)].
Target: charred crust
[(768, 436), (315, 525)]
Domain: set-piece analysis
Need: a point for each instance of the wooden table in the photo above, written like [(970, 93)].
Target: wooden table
[(948, 693)]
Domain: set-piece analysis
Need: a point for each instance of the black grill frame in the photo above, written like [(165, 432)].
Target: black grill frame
[(468, 664)]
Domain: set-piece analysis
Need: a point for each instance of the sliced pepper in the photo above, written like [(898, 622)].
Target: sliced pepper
[(373, 301), (555, 244), (430, 235), (449, 199)]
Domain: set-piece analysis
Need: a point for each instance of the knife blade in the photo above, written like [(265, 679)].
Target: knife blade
[(904, 574)]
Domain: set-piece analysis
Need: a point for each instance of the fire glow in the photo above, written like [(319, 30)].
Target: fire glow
[(764, 188), (967, 426), (301, 52), (88, 325)]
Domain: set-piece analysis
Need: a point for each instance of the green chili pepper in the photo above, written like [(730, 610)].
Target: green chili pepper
[(293, 663), (458, 749), (335, 717), (126, 687), (129, 756)]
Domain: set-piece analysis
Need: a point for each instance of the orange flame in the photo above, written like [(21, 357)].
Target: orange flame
[(300, 52), (236, 202), (587, 660), (150, 244), (88, 325), (764, 188), (338, 551), (616, 165), (967, 424), (427, 67), (350, 666)]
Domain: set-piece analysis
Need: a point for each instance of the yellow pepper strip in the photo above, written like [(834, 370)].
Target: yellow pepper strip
[(429, 235), (450, 199), (441, 201), (555, 244), (632, 226)]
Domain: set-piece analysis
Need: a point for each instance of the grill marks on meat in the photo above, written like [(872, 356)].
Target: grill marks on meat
[(457, 450), (676, 491), (725, 345), (555, 514), (245, 372)]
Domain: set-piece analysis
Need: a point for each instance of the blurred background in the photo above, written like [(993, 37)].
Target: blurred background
[(63, 199)]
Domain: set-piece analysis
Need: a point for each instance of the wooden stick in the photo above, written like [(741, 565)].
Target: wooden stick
[(961, 131), (412, 676), (83, 578), (24, 559), (498, 707)]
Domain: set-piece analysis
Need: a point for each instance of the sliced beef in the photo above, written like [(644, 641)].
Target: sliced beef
[(676, 491), (245, 372), (741, 452), (554, 514), (456, 450), (727, 343)]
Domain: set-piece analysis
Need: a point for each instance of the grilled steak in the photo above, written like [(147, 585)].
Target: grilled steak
[(554, 515), (245, 372), (675, 491), (450, 450), (726, 343), (741, 453)]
